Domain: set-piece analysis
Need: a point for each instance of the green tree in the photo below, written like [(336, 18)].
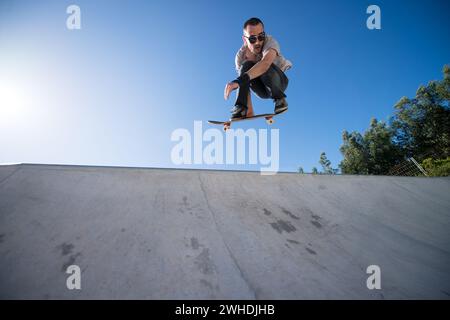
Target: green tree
[(420, 127), (314, 170), (326, 164), (382, 153), (300, 170), (437, 168), (354, 153), (422, 124), (371, 153)]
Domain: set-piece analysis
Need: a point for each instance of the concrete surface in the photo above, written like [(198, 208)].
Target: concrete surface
[(198, 234)]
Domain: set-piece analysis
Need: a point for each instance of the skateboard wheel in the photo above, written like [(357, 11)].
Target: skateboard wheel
[(269, 121)]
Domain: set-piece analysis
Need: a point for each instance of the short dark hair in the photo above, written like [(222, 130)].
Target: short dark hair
[(253, 22)]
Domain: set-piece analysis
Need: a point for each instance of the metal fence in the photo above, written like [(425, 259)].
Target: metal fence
[(409, 167), (412, 167)]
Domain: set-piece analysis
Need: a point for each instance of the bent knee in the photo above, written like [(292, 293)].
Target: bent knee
[(261, 93)]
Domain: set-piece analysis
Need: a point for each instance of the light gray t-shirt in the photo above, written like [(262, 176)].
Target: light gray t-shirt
[(269, 43)]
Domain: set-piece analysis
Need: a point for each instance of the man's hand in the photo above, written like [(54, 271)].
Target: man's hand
[(263, 65), (230, 86)]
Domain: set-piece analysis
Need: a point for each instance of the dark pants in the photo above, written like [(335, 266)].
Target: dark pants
[(270, 84)]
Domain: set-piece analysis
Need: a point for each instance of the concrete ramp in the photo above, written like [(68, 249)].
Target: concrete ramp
[(198, 234)]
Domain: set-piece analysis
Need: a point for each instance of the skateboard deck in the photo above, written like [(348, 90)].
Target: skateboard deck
[(227, 124)]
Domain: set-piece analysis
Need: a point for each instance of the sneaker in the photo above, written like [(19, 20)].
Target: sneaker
[(280, 105), (238, 112)]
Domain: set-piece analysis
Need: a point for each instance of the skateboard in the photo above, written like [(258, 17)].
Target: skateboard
[(267, 116)]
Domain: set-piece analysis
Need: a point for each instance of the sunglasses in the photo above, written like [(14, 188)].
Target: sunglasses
[(261, 37)]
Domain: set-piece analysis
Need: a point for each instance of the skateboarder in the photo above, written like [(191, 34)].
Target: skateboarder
[(261, 68)]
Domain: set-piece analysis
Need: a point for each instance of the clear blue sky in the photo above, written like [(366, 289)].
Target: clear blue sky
[(113, 92)]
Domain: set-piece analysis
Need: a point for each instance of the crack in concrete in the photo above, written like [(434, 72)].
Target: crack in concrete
[(247, 282), (12, 173)]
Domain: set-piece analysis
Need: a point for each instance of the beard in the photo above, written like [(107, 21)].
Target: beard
[(257, 49)]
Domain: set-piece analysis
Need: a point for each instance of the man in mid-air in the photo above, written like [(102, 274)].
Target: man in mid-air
[(261, 68)]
